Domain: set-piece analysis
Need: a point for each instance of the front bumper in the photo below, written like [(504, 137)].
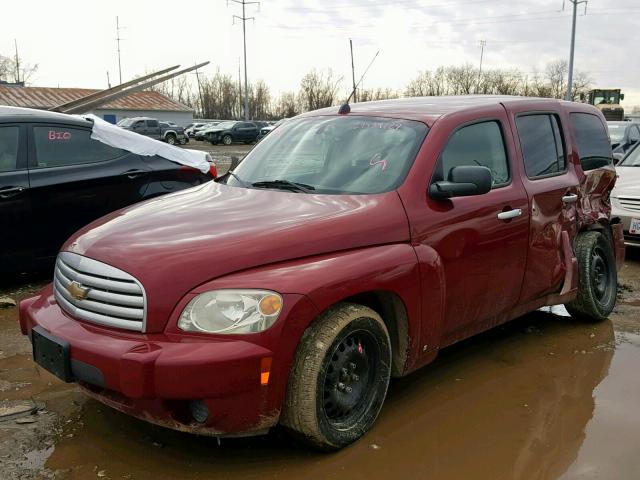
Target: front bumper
[(625, 217), (156, 377)]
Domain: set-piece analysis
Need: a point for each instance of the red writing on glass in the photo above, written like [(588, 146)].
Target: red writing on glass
[(377, 159), (53, 135)]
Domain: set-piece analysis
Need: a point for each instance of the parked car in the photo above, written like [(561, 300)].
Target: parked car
[(625, 197), (231, 132), (624, 135), (348, 249), (54, 179), (199, 132), (264, 131), (190, 131), (150, 127)]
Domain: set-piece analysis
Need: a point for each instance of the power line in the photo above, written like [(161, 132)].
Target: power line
[(244, 19)]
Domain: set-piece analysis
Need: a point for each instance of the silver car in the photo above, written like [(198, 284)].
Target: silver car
[(625, 197)]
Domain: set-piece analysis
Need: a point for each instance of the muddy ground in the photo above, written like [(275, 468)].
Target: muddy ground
[(221, 154), (541, 398)]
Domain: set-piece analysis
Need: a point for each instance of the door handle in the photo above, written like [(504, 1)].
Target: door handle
[(571, 198), (509, 214), (11, 192), (131, 174)]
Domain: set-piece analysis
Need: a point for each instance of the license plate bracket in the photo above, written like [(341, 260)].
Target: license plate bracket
[(51, 353)]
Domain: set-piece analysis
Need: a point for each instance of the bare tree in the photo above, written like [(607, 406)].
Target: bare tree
[(9, 71), (318, 90), (372, 94), (286, 106)]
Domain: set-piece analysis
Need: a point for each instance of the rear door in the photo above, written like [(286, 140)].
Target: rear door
[(75, 180), (15, 214), (153, 129), (552, 187)]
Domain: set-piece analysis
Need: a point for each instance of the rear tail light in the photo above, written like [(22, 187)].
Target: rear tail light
[(213, 171)]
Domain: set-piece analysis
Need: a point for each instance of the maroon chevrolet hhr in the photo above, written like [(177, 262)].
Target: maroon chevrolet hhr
[(346, 249)]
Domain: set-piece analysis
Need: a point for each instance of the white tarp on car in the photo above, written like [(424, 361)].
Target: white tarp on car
[(117, 137)]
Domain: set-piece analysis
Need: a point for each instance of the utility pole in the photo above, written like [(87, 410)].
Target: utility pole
[(108, 80), (239, 88), (353, 73), (244, 19), (118, 40), (483, 43), (573, 44), (15, 41)]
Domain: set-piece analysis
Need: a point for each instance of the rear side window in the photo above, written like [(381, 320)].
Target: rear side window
[(58, 145), (8, 148), (593, 143), (634, 134), (477, 144), (542, 146)]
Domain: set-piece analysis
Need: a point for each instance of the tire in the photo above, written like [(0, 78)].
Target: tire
[(170, 139), (227, 140), (339, 378), (598, 278)]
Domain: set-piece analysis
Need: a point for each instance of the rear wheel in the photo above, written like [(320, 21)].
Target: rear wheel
[(598, 278), (340, 377), (227, 139)]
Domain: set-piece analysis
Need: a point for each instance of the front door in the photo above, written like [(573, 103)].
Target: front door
[(480, 240), (552, 186), (15, 215)]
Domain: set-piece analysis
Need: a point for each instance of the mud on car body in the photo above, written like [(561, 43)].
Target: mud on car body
[(344, 250)]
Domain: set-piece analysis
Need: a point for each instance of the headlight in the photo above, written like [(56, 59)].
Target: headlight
[(231, 311)]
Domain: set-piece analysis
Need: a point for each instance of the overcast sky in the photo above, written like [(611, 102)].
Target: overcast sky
[(73, 41)]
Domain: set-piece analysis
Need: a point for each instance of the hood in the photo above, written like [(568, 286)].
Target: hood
[(628, 182), (176, 242)]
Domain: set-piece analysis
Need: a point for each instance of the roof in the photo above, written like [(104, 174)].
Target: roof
[(45, 98), (427, 109), (16, 114)]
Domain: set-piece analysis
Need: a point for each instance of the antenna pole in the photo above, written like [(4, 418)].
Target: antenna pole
[(118, 40), (353, 73), (483, 43), (15, 41), (575, 3)]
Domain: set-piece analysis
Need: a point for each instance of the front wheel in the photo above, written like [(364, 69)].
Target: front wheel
[(339, 379), (227, 139), (171, 139), (598, 278)]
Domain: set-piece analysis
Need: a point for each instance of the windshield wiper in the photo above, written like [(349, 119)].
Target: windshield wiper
[(295, 186)]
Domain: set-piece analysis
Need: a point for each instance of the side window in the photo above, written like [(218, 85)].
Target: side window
[(57, 145), (477, 144), (152, 123), (634, 134), (139, 124), (592, 139), (9, 148), (542, 146)]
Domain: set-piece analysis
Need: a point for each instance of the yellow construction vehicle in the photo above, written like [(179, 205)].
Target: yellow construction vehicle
[(608, 101)]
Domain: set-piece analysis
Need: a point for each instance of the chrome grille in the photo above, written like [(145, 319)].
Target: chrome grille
[(111, 297), (630, 203)]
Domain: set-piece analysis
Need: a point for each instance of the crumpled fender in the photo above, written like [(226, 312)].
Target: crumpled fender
[(594, 205)]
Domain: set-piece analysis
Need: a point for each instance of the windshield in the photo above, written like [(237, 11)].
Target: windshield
[(341, 155), (616, 132), (632, 159)]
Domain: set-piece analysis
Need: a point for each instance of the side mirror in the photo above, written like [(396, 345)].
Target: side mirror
[(617, 157), (463, 181)]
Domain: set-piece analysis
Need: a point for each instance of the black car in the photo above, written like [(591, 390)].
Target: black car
[(230, 132), (54, 179), (624, 135)]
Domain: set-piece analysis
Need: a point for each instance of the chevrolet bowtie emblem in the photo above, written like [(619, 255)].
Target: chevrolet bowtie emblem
[(77, 291)]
